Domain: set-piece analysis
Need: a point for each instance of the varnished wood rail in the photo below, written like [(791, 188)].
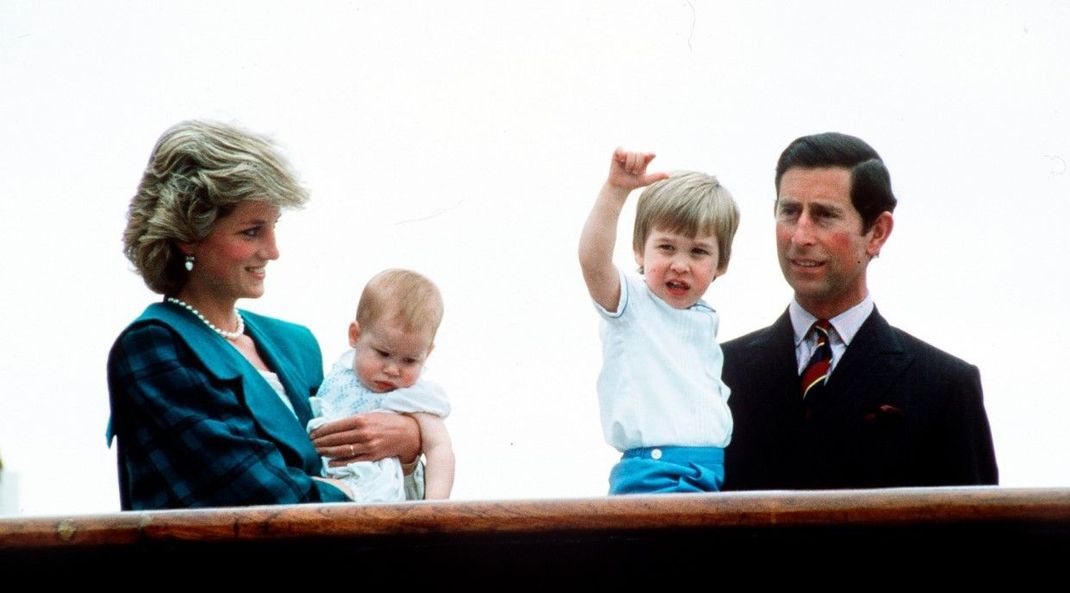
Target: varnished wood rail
[(627, 537)]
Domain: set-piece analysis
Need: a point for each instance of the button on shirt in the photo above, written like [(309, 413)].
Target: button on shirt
[(844, 327)]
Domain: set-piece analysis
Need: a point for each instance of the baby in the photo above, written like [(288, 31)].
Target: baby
[(663, 404), (392, 336)]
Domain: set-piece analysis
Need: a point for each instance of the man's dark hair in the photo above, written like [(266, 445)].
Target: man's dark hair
[(871, 186)]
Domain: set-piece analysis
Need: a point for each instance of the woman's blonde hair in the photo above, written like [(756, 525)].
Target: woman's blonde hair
[(197, 173)]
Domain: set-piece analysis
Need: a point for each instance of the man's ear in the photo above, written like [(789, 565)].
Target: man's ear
[(878, 233), (354, 333)]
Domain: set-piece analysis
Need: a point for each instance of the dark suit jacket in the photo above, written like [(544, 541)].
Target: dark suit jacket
[(198, 426), (895, 412)]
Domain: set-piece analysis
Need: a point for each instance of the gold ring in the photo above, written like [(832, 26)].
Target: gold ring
[(352, 453)]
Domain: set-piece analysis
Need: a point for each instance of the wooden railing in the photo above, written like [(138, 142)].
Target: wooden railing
[(899, 531)]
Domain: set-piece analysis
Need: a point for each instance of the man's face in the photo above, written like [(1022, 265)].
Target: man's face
[(822, 250)]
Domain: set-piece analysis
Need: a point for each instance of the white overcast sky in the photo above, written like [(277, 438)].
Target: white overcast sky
[(467, 140)]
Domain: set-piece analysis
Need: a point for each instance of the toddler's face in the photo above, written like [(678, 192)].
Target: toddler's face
[(387, 356), (677, 268)]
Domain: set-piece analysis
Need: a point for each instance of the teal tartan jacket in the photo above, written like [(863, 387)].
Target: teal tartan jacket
[(197, 425)]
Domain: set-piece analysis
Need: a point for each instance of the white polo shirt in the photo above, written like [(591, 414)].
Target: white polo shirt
[(660, 383)]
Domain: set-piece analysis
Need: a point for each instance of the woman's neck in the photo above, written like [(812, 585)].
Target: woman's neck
[(220, 312)]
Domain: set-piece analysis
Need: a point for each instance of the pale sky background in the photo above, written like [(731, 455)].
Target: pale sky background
[(467, 140)]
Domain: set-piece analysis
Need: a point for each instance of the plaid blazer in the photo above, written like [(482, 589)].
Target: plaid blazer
[(197, 425)]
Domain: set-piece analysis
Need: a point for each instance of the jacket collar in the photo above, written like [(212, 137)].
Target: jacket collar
[(225, 363), (869, 366)]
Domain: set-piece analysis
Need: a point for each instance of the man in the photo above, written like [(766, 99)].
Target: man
[(860, 404)]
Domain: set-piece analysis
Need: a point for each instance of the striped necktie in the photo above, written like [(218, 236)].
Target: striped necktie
[(817, 370)]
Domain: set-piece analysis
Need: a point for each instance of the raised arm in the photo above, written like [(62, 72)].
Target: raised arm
[(627, 171), (438, 450)]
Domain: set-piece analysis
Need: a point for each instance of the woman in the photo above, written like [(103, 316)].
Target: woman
[(209, 403)]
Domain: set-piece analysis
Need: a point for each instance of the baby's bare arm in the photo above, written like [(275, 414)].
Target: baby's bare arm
[(438, 450), (627, 171)]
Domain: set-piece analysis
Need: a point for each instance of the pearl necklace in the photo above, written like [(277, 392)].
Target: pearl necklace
[(234, 335)]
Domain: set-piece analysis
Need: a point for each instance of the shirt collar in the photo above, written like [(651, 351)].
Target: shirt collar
[(701, 305), (845, 324)]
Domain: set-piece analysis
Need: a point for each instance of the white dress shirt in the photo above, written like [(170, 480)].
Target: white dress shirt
[(844, 327)]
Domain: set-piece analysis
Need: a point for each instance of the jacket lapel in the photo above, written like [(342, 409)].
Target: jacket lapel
[(225, 362), (271, 348), (869, 367), (779, 380)]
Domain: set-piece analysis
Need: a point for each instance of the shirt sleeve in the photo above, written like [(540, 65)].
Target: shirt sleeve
[(319, 414), (186, 438), (423, 396), (622, 304)]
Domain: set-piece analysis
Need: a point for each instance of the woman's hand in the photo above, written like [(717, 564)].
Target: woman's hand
[(368, 437)]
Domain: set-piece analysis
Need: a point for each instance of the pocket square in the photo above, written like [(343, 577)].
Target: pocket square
[(885, 413)]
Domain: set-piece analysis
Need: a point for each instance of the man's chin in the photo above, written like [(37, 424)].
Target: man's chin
[(809, 293), (808, 287)]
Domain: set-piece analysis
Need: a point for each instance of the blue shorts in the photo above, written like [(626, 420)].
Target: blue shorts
[(649, 470)]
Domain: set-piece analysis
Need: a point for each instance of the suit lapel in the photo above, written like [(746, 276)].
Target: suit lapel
[(778, 381), (868, 369)]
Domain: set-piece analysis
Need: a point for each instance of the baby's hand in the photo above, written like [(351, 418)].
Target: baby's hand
[(627, 170)]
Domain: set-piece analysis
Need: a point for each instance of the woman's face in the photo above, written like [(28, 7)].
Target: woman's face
[(231, 261)]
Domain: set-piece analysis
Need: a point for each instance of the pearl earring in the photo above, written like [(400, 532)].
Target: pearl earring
[(189, 263)]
